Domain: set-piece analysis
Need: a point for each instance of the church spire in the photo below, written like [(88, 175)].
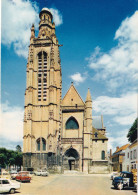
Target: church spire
[(88, 98)]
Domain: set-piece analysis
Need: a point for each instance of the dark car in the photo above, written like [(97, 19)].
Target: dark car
[(124, 180)]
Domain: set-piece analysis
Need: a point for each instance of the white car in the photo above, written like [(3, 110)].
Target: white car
[(13, 174), (6, 185), (41, 173)]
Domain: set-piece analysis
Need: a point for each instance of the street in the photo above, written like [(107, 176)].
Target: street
[(97, 184)]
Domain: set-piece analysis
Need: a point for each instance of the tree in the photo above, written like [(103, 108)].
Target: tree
[(132, 134), (19, 159), (10, 157), (18, 148), (3, 160)]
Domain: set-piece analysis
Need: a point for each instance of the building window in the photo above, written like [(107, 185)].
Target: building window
[(72, 123), (127, 167), (103, 155), (42, 71), (44, 143), (135, 154), (128, 155), (96, 134), (41, 144), (38, 144), (131, 155), (103, 141)]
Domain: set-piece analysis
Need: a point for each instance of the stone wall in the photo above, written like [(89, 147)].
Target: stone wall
[(99, 167)]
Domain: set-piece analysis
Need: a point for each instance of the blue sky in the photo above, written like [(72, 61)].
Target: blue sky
[(100, 52)]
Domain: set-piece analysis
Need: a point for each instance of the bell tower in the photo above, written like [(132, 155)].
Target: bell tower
[(42, 111)]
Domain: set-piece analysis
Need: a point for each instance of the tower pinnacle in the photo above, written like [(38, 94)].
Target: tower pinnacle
[(88, 98)]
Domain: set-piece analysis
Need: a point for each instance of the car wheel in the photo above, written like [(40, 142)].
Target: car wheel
[(12, 191), (115, 186), (120, 186)]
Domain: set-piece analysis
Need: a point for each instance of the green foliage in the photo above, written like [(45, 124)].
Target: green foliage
[(3, 160), (10, 157), (132, 134), (18, 148)]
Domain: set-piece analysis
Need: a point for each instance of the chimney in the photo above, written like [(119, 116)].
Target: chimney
[(117, 147), (110, 155), (110, 152)]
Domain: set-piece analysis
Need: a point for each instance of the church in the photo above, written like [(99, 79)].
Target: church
[(59, 134)]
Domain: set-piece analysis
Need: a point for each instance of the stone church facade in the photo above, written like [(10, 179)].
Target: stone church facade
[(59, 134)]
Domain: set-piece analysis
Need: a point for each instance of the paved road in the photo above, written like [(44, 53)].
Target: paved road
[(71, 185)]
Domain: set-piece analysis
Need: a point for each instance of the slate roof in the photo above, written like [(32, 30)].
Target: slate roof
[(99, 135), (97, 122)]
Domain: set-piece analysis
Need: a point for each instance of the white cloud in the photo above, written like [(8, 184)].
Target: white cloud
[(17, 18), (11, 123), (78, 77), (123, 108), (120, 63), (57, 17), (120, 140)]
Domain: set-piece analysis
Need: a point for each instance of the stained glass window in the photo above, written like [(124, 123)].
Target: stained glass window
[(72, 123)]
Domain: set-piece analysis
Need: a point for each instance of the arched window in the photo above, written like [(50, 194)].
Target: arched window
[(38, 144), (42, 75), (103, 155), (43, 144), (72, 123)]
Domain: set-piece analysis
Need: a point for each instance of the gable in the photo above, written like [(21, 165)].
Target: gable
[(72, 98)]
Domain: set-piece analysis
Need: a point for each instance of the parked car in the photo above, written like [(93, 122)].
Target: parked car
[(114, 174), (23, 176), (41, 173), (124, 180), (7, 185), (5, 174), (13, 174)]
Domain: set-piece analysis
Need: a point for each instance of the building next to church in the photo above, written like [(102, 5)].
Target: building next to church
[(59, 134)]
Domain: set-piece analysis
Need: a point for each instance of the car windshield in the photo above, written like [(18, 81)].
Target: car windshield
[(125, 175)]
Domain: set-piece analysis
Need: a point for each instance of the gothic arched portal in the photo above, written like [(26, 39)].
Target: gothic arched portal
[(72, 157)]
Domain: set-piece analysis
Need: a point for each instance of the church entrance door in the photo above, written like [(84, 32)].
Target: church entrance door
[(73, 159), (71, 164)]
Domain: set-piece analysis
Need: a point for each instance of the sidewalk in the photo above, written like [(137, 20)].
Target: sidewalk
[(77, 173)]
